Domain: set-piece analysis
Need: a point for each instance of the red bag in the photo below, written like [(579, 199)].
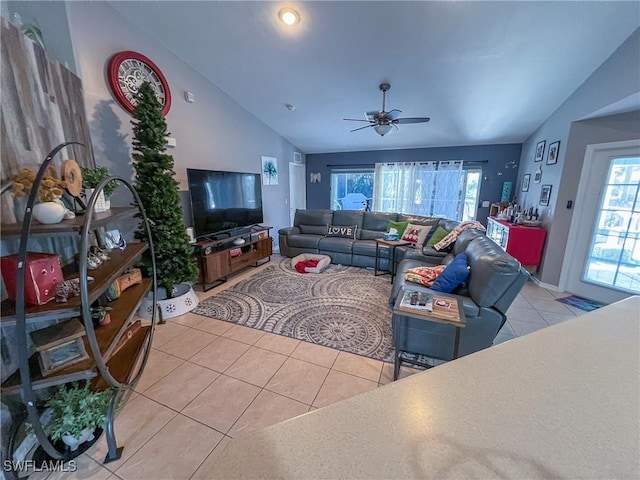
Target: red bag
[(42, 274)]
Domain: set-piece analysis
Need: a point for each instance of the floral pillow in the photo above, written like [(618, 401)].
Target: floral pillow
[(416, 234), (424, 275)]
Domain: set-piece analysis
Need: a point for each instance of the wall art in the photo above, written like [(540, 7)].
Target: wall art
[(540, 151), (269, 171), (554, 150), (537, 177), (545, 195), (525, 182)]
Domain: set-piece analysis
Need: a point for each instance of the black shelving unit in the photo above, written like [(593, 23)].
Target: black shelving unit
[(106, 368)]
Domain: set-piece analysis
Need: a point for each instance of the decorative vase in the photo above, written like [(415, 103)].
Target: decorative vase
[(19, 206), (184, 301), (48, 212), (101, 202), (86, 435)]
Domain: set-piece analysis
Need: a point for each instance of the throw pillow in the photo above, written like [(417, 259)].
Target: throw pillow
[(343, 231), (438, 235), (424, 275), (416, 233), (399, 226), (452, 276)]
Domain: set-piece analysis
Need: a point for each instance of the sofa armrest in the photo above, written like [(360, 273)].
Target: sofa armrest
[(289, 231)]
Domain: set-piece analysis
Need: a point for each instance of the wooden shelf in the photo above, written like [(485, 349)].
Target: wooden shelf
[(66, 226), (107, 336), (123, 364), (103, 276)]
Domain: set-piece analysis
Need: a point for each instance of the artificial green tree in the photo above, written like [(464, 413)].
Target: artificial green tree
[(158, 191)]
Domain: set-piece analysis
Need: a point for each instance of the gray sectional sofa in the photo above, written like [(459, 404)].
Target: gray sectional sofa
[(494, 281), (307, 235)]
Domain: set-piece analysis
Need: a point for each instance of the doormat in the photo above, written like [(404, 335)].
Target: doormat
[(581, 303)]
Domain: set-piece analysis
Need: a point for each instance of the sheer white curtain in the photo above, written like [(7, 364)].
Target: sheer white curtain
[(424, 188)]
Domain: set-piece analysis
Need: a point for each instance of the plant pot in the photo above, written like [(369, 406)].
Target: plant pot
[(86, 435), (48, 212), (183, 302), (101, 203)]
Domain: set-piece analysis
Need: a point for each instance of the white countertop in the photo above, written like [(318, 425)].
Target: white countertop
[(563, 402)]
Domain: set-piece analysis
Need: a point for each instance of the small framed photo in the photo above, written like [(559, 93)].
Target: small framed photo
[(537, 176), (552, 156), (545, 195), (540, 151), (525, 182)]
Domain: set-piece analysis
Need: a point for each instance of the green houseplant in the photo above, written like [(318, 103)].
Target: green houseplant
[(159, 194), (77, 412), (91, 177)]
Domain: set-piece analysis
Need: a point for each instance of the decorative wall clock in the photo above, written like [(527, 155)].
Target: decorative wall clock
[(127, 71)]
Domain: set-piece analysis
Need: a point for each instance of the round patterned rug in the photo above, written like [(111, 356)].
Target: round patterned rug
[(343, 307)]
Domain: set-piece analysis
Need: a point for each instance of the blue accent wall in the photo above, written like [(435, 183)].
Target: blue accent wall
[(497, 156)]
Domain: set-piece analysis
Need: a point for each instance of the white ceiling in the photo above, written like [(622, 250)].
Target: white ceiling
[(485, 72)]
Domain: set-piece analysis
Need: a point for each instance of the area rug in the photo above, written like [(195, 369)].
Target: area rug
[(581, 303), (345, 308)]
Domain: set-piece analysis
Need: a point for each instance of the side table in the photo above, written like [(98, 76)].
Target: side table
[(392, 244), (453, 315)]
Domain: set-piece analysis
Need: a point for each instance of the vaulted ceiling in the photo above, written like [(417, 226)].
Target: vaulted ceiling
[(485, 72)]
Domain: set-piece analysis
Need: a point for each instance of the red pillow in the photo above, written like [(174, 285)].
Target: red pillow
[(424, 275)]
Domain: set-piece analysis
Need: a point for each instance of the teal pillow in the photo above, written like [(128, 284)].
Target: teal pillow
[(438, 235), (400, 226)]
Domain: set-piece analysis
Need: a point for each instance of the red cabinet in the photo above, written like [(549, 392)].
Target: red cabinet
[(522, 243)]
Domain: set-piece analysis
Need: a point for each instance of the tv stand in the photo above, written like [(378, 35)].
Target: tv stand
[(219, 257)]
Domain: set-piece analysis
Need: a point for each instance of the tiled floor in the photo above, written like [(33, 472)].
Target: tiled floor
[(208, 381)]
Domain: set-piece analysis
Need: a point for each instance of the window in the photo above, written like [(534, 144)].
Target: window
[(351, 189), (436, 189), (614, 256)]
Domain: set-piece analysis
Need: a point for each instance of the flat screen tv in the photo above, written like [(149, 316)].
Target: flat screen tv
[(224, 201)]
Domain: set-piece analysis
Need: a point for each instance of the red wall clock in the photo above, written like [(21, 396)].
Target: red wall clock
[(127, 71)]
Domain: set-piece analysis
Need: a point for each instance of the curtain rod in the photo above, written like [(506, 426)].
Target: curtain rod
[(351, 165)]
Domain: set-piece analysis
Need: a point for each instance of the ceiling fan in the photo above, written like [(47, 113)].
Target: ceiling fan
[(383, 121)]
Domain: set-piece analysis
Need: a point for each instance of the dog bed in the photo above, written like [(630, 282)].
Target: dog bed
[(310, 263)]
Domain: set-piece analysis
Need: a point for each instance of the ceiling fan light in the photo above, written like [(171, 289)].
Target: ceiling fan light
[(382, 129), (289, 16)]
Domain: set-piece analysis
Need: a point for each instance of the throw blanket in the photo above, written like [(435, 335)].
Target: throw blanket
[(301, 267), (453, 234)]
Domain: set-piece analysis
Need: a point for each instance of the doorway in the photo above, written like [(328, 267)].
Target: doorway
[(297, 189), (604, 233)]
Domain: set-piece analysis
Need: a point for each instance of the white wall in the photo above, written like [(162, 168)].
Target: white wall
[(213, 133), (616, 81)]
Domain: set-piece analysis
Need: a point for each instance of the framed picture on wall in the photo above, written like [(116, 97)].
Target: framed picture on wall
[(540, 151), (545, 195), (525, 182), (537, 176), (552, 156)]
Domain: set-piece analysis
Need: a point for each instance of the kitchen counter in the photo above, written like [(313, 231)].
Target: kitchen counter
[(562, 402)]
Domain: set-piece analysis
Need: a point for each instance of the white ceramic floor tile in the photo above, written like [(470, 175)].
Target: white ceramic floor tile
[(522, 328), (553, 318), (525, 315)]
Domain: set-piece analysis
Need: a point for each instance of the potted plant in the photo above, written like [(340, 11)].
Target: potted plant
[(91, 177), (50, 208), (76, 413), (159, 194)]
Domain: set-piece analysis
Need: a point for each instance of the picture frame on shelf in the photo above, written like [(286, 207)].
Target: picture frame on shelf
[(552, 155), (545, 195), (526, 178), (540, 151)]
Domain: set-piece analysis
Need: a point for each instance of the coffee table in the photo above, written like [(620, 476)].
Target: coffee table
[(451, 315), (392, 244)]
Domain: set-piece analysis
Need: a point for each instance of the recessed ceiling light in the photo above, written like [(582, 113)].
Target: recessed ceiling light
[(289, 16)]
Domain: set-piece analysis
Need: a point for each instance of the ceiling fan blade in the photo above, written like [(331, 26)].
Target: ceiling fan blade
[(366, 126), (412, 120), (355, 120), (393, 114)]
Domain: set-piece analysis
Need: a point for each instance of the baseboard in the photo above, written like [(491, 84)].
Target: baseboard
[(548, 286)]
